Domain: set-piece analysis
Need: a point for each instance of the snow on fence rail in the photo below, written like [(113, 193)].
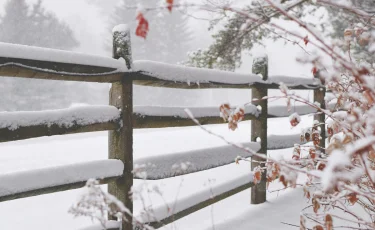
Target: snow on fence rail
[(282, 110), (161, 116), (206, 115), (121, 117), (24, 125), (24, 52), (56, 179), (170, 165), (44, 63), (153, 73)]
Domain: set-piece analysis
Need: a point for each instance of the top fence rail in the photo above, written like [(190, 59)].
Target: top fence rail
[(34, 62)]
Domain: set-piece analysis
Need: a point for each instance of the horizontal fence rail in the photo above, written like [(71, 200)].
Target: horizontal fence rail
[(56, 179), (150, 73), (171, 165), (162, 116), (42, 63), (25, 125), (160, 216), (72, 72)]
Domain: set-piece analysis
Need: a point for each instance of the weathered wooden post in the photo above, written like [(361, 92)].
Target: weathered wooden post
[(259, 128), (121, 141), (319, 95)]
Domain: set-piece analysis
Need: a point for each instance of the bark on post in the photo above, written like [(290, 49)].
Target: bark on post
[(319, 95), (121, 141), (259, 128)]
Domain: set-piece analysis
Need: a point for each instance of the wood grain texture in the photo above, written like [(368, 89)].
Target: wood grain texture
[(27, 132), (145, 79), (319, 95), (120, 142), (15, 67), (259, 129)]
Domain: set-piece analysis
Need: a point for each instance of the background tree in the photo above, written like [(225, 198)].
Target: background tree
[(340, 21), (33, 25), (169, 31), (22, 24), (225, 54)]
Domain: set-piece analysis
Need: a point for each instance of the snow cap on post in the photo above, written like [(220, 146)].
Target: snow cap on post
[(260, 65), (120, 28), (122, 44)]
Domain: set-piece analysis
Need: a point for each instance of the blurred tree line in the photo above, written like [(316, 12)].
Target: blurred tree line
[(31, 24)]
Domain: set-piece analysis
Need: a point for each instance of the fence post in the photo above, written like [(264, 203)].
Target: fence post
[(120, 142), (319, 95), (259, 128)]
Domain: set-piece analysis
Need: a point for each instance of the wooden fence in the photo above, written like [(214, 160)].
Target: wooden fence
[(58, 66)]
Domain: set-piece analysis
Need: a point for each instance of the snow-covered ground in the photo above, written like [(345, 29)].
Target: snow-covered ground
[(44, 212)]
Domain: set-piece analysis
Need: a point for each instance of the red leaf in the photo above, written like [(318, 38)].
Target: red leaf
[(282, 180), (294, 119), (142, 28), (314, 71), (306, 193), (320, 166), (316, 205), (328, 222), (352, 198), (306, 40), (257, 175), (170, 5), (312, 153), (225, 111)]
